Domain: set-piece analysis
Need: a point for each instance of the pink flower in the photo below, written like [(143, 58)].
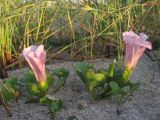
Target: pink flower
[(135, 47), (36, 56)]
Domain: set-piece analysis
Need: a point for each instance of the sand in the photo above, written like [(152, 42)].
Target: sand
[(142, 105)]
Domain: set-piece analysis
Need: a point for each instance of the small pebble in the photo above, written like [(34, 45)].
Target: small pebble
[(82, 104)]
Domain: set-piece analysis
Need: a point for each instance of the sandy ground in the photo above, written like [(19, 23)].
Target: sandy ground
[(143, 105)]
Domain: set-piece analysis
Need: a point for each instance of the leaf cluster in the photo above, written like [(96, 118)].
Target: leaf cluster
[(106, 83), (35, 92), (9, 89)]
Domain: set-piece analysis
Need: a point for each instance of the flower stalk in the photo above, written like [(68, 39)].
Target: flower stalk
[(127, 74)]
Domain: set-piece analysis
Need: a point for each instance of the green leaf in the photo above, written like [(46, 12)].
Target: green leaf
[(81, 69), (99, 77), (62, 74), (97, 91), (8, 94), (114, 86), (90, 79), (132, 88), (31, 85), (32, 90), (86, 73), (94, 79), (116, 90), (50, 80), (44, 100), (90, 75), (30, 77), (12, 83), (111, 68), (9, 88), (103, 71), (54, 105), (72, 118)]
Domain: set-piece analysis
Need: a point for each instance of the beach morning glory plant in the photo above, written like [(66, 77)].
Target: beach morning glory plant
[(39, 81), (115, 81), (36, 57)]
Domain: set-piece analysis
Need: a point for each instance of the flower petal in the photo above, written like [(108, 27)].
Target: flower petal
[(143, 36), (135, 47), (130, 37), (145, 44), (35, 56)]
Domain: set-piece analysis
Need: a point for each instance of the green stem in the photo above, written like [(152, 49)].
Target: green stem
[(43, 88), (127, 74)]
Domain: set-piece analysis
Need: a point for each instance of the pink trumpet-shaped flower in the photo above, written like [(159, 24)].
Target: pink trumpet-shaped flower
[(135, 47), (36, 56)]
